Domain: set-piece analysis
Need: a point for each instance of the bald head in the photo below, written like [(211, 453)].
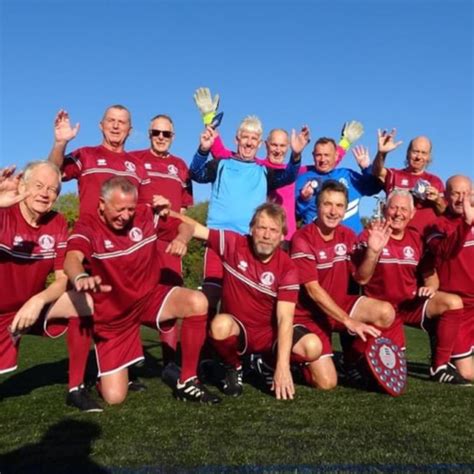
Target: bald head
[(419, 154), (456, 188)]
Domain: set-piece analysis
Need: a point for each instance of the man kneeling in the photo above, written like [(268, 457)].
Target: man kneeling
[(119, 244), (260, 288)]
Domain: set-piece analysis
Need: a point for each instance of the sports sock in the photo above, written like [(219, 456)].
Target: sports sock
[(193, 335), (228, 350), (79, 338), (446, 331)]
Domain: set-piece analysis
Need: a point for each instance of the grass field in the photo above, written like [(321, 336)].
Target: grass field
[(429, 429)]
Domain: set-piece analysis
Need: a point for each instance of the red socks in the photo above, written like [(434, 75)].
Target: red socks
[(193, 335), (79, 338)]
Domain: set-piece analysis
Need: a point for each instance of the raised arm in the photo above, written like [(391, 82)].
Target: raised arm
[(64, 132), (378, 236), (10, 193), (385, 144)]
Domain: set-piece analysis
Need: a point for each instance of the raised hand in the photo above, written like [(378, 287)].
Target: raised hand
[(9, 182), (63, 131), (206, 104), (379, 234), (207, 139), (361, 154), (386, 141), (300, 140)]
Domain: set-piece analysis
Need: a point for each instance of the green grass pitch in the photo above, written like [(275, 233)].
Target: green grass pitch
[(430, 428)]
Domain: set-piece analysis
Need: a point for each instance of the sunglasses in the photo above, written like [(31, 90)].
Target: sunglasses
[(157, 133)]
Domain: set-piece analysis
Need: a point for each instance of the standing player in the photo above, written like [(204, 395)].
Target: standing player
[(168, 176), (119, 242), (427, 188), (390, 270), (239, 185), (321, 251), (260, 288), (32, 245), (309, 183), (91, 166), (277, 144), (455, 273)]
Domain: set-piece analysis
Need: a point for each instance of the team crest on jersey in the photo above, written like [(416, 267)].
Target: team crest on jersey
[(46, 242), (101, 162), (130, 166), (344, 182), (408, 252), (267, 278), (135, 234), (385, 252), (243, 265), (172, 170), (340, 249), (148, 166), (108, 244), (17, 240), (322, 255), (404, 182)]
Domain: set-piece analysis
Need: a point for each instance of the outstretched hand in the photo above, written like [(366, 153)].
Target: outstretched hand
[(361, 154), (207, 139), (63, 130), (386, 141), (300, 140), (9, 182)]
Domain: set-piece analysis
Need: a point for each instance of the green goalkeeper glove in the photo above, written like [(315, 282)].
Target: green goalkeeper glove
[(351, 132), (206, 104)]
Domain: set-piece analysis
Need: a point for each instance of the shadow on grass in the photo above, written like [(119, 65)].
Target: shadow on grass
[(65, 447), (41, 375)]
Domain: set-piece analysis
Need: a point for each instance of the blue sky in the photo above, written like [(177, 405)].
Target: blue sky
[(404, 64)]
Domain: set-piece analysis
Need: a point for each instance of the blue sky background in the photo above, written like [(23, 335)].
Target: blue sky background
[(404, 64)]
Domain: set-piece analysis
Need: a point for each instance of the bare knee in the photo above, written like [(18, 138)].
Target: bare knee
[(387, 315), (198, 303), (309, 347), (325, 382), (113, 395), (221, 327), (323, 374)]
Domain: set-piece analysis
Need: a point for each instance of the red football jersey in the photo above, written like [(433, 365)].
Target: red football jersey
[(28, 255), (452, 241), (327, 262), (91, 166), (126, 260), (251, 288), (405, 180), (395, 278), (168, 177)]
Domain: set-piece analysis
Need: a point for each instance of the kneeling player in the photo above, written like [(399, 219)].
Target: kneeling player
[(321, 251), (119, 244), (389, 269), (260, 288), (32, 245)]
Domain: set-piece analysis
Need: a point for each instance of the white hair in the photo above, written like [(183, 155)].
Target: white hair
[(251, 123)]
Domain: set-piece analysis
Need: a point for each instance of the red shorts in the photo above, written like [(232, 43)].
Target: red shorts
[(151, 309), (9, 349), (321, 329), (413, 312), (171, 269), (213, 269), (116, 350), (257, 340), (323, 325), (464, 344)]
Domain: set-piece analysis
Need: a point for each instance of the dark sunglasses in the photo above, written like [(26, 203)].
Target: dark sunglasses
[(157, 133)]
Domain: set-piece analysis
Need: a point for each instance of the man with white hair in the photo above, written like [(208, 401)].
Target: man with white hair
[(32, 245), (390, 270), (239, 185)]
